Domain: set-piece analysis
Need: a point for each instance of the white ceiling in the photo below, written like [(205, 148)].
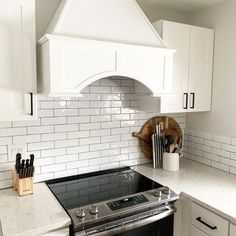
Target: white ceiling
[(184, 5)]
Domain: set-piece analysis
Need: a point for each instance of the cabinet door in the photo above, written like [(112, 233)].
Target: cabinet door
[(200, 68), (232, 230), (176, 36), (17, 40), (17, 60), (196, 232)]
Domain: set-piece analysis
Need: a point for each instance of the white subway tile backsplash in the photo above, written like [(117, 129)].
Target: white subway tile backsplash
[(90, 126), (53, 152), (53, 121), (12, 132), (40, 146), (26, 123), (26, 139), (53, 104), (53, 168), (79, 135), (86, 141), (100, 89), (97, 147), (77, 119), (112, 124), (45, 113), (3, 158), (44, 161), (110, 110), (66, 158), (78, 149), (66, 143), (66, 128), (77, 164), (77, 104), (52, 137), (214, 150), (89, 111), (110, 97), (100, 118), (41, 130), (66, 112), (221, 139), (5, 175), (6, 124)]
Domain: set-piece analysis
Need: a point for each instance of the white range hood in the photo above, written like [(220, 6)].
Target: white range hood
[(92, 39)]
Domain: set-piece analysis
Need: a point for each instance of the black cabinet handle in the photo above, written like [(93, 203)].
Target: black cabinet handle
[(193, 100), (185, 101), (204, 223), (31, 104)]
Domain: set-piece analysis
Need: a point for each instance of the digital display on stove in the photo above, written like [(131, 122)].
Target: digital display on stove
[(127, 202), (81, 190)]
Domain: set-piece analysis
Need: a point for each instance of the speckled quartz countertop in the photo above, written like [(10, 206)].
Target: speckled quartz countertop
[(212, 188), (35, 214)]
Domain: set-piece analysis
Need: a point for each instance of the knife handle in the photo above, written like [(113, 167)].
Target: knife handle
[(31, 159)]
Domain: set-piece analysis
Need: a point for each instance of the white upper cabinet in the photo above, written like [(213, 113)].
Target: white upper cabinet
[(17, 59), (192, 68), (200, 68), (232, 230), (67, 65)]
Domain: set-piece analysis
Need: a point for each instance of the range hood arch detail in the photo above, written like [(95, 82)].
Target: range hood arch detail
[(73, 56)]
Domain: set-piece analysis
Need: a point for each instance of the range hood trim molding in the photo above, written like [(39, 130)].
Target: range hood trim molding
[(46, 83)]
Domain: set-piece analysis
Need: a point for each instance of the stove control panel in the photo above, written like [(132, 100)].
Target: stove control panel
[(127, 202)]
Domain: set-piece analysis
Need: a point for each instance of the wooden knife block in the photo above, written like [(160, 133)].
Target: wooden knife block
[(23, 186)]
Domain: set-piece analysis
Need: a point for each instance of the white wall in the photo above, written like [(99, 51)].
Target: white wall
[(155, 12), (222, 119)]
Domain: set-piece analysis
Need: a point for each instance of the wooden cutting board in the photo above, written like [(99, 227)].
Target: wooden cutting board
[(170, 127)]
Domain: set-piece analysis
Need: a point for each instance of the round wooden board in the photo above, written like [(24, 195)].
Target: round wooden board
[(170, 127)]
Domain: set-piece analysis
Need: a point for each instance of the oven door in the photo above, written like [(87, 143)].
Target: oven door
[(159, 223)]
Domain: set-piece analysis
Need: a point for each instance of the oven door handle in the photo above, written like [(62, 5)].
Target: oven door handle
[(130, 226)]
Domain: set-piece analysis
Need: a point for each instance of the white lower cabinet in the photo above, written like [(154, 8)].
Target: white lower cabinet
[(208, 222), (196, 232), (195, 220), (232, 230)]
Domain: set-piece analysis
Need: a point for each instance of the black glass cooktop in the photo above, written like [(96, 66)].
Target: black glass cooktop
[(81, 190)]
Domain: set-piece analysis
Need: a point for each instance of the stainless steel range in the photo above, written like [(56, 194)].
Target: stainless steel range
[(116, 202)]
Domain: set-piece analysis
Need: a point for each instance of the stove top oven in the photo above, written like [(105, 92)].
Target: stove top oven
[(116, 202)]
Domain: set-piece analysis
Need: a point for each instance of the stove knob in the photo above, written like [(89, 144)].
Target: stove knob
[(166, 190), (157, 193), (93, 210), (80, 213)]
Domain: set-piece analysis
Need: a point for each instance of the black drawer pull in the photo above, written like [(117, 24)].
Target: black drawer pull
[(193, 100), (31, 104), (185, 101), (204, 223)]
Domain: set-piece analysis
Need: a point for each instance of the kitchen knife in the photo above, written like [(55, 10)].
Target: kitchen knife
[(31, 165), (22, 169), (27, 169), (18, 159), (31, 159)]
